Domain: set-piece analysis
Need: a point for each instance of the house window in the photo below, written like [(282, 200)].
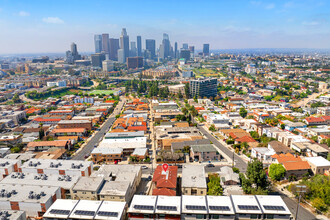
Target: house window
[(215, 217), (269, 216), (253, 216)]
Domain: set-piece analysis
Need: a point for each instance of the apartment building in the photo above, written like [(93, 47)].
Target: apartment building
[(85, 209), (107, 155), (12, 215), (34, 200), (75, 124), (61, 167), (193, 180), (65, 182), (7, 166), (87, 188)]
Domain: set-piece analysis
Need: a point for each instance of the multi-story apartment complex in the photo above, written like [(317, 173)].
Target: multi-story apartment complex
[(203, 87)]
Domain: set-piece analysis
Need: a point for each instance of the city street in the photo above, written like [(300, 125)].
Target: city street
[(89, 146), (239, 162)]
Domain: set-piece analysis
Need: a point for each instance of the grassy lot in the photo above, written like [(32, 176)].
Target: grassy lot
[(100, 92), (205, 73)]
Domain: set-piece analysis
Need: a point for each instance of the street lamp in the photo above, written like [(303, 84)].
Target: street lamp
[(302, 189)]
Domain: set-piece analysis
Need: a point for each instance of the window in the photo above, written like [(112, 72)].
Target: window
[(214, 216), (253, 216), (269, 216), (161, 215), (200, 216)]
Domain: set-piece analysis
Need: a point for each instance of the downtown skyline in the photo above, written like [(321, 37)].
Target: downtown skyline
[(33, 28)]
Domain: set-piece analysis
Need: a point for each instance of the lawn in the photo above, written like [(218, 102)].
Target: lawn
[(100, 92)]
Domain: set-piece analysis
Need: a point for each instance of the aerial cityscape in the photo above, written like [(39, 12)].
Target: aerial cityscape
[(164, 110)]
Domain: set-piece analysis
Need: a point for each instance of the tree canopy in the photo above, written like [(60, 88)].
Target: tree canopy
[(276, 171)]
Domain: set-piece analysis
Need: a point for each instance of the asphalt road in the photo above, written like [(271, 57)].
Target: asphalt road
[(303, 214), (207, 170), (88, 148), (239, 162)]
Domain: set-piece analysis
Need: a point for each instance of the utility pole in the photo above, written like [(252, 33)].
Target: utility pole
[(302, 189), (232, 166)]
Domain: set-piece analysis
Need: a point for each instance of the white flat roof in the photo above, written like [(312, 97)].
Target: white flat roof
[(61, 208), (143, 204), (110, 210), (193, 176), (273, 205), (136, 142), (220, 205), (85, 209), (318, 161), (168, 205), (79, 165), (194, 204), (246, 204)]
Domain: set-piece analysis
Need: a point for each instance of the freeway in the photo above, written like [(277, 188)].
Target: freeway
[(89, 146)]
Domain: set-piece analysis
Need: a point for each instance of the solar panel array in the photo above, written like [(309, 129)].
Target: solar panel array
[(170, 208), (144, 207), (222, 208), (59, 212), (248, 207), (109, 214), (82, 212), (274, 207), (195, 207)]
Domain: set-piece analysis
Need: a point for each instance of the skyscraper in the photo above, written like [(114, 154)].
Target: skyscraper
[(98, 43), (133, 51), (114, 47), (206, 49), (139, 46), (72, 55), (185, 46), (185, 54), (121, 56), (124, 43), (176, 50), (151, 47), (164, 50), (97, 60), (105, 43)]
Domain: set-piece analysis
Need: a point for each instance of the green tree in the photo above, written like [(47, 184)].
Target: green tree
[(187, 90), (242, 112), (16, 98), (256, 174), (214, 187), (276, 171), (282, 126), (41, 133), (212, 127)]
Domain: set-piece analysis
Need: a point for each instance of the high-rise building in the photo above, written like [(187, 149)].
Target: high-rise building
[(134, 62), (133, 51), (185, 54), (121, 56), (176, 50), (206, 49), (107, 65), (164, 50), (97, 59), (105, 43), (72, 55), (192, 51), (98, 43), (151, 47), (185, 46), (124, 43), (114, 47), (139, 45), (203, 87)]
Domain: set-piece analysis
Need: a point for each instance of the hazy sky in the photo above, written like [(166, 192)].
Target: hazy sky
[(51, 25)]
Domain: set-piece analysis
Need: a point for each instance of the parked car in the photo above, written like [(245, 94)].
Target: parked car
[(144, 167), (210, 165)]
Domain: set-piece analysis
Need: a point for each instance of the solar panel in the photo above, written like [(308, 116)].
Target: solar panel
[(59, 212), (81, 212), (110, 214), (248, 207), (274, 207), (195, 207), (222, 208), (170, 208), (144, 207)]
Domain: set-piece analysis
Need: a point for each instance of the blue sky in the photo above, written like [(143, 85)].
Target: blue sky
[(50, 26)]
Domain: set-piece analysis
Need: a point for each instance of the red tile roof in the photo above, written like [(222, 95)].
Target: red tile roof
[(297, 165), (163, 192), (162, 180), (245, 139)]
